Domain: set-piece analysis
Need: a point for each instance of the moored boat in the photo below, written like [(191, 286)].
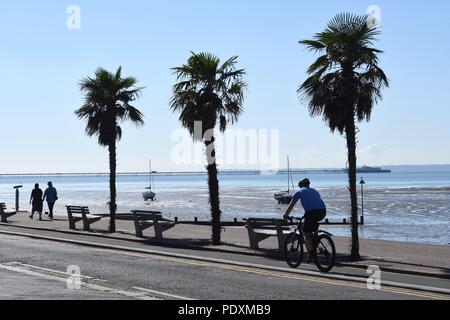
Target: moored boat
[(285, 197), (150, 194)]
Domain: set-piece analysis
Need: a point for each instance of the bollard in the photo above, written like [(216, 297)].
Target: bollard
[(17, 197)]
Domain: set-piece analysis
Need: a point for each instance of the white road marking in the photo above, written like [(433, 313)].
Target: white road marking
[(18, 266), (14, 267), (27, 266), (163, 294), (360, 280)]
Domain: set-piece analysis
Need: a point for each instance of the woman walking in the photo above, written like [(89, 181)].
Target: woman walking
[(51, 195), (36, 201)]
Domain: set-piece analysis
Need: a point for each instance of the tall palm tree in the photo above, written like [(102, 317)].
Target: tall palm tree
[(107, 102), (209, 93), (343, 86)]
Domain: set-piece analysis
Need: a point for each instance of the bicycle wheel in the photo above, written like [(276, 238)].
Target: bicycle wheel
[(325, 257), (293, 250)]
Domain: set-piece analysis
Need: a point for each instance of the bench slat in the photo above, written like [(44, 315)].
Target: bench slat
[(5, 215), (260, 229), (147, 219), (79, 213)]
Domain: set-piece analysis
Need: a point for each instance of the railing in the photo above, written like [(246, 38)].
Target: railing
[(242, 223)]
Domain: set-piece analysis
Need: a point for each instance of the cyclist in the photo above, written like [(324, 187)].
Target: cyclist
[(315, 211)]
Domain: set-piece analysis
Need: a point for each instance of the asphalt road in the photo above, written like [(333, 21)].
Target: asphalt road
[(37, 269), (22, 286)]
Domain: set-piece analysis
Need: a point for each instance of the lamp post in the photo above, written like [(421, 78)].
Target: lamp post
[(362, 183), (17, 197)]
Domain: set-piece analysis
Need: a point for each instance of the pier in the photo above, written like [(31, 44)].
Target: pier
[(194, 173)]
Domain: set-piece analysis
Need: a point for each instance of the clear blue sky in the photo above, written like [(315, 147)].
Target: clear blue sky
[(42, 62)]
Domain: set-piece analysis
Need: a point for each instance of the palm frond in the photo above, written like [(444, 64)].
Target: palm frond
[(107, 100), (208, 91), (134, 115), (313, 45), (330, 90)]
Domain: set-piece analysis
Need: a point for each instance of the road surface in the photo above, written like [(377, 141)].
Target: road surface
[(33, 265)]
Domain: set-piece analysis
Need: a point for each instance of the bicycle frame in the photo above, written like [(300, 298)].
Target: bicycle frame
[(325, 232), (299, 229), (300, 226), (320, 250)]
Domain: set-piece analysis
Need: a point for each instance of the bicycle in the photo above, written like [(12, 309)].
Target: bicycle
[(324, 253)]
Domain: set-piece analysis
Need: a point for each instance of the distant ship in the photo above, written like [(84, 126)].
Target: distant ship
[(366, 169)]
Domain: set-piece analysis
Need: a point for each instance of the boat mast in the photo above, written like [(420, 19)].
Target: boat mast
[(290, 177), (150, 174), (289, 174)]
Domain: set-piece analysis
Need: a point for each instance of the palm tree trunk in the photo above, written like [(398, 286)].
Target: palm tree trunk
[(213, 184), (351, 146), (112, 186)]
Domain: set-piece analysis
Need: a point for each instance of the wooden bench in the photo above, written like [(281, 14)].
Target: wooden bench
[(262, 229), (77, 214), (144, 220), (5, 215)]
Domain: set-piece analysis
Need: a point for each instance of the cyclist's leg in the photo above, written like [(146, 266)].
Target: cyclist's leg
[(309, 241), (309, 228)]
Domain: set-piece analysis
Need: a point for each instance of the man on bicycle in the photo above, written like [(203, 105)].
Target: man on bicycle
[(315, 211)]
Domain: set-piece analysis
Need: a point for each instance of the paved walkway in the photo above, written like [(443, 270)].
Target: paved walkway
[(402, 257)]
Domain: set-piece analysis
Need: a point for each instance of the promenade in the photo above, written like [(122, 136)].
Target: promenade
[(398, 257)]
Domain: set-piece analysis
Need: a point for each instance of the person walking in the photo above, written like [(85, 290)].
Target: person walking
[(51, 195), (36, 201)]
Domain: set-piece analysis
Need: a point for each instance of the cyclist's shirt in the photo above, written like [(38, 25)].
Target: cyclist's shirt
[(310, 199)]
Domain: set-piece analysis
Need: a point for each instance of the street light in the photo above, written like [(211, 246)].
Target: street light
[(17, 197), (362, 183)]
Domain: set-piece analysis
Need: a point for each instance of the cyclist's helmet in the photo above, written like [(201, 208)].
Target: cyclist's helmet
[(305, 183)]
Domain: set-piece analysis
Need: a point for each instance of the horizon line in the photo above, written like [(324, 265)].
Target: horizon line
[(139, 173)]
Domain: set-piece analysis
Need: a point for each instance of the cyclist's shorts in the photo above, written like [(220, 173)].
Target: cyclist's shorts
[(312, 219)]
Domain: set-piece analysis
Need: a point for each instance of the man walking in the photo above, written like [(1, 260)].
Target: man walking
[(51, 195), (36, 201)]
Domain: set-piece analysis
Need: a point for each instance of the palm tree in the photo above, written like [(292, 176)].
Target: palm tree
[(209, 93), (106, 104), (343, 86)]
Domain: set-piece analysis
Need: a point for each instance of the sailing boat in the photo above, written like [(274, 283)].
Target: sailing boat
[(285, 197), (150, 194)]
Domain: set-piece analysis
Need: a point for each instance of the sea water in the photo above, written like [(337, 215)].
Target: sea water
[(410, 204)]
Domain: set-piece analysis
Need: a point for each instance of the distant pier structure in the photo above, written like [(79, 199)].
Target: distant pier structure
[(363, 169)]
